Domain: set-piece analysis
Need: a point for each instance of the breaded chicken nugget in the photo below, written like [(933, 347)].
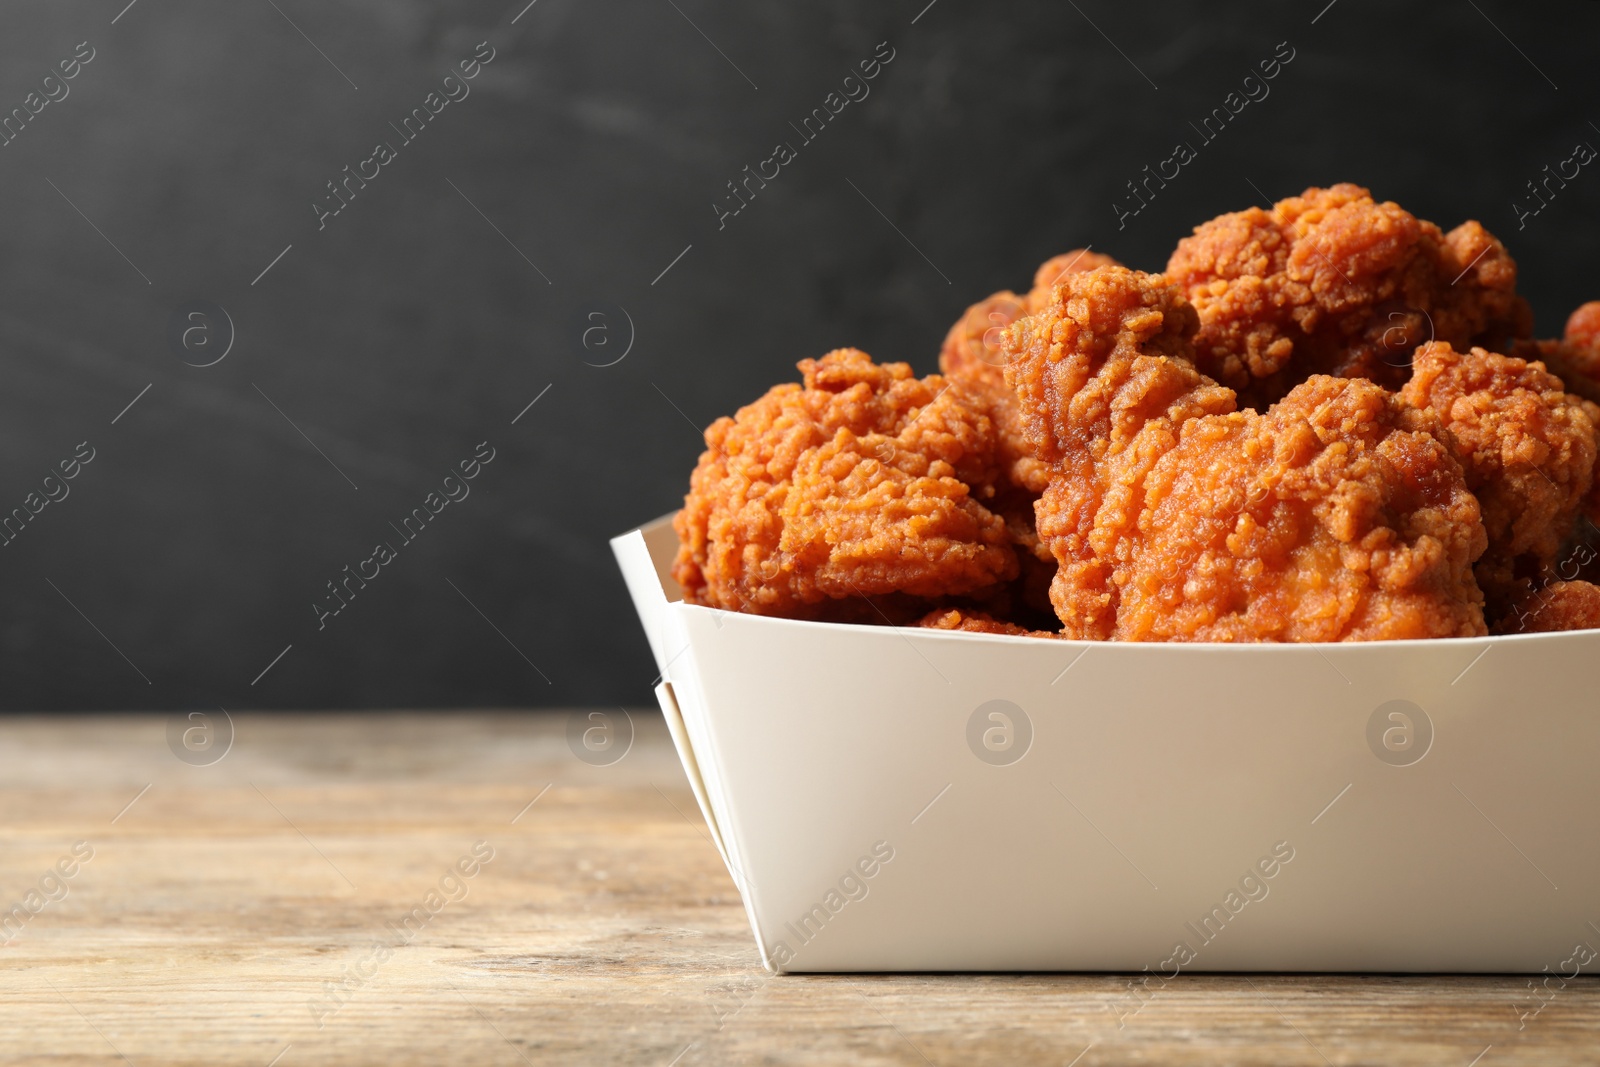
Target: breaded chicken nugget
[(863, 481)]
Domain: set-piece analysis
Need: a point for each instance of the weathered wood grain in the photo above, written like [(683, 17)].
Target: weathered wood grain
[(218, 906)]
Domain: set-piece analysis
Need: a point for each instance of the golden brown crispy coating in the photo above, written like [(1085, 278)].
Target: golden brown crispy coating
[(1332, 282), (971, 349), (1338, 515), (1052, 270), (862, 482), (1528, 448), (1557, 606), (1583, 327), (1575, 359), (1565, 362), (1103, 329), (976, 622), (1103, 382), (973, 355)]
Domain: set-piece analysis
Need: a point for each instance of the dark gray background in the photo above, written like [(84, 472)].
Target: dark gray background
[(409, 330)]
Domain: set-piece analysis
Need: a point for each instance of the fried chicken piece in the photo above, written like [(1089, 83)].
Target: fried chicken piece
[(1583, 328), (972, 349), (976, 622), (862, 482), (1338, 515), (1052, 270), (972, 354), (1067, 362), (1528, 449), (1562, 360), (1575, 359), (1332, 282), (1557, 606), (1103, 380)]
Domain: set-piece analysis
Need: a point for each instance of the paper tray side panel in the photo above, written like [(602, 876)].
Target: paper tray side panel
[(1154, 787)]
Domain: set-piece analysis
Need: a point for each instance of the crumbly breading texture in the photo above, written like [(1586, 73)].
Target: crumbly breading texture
[(1333, 282), (1528, 449), (1575, 359), (862, 482), (972, 354), (1102, 382), (1069, 363), (1338, 515), (972, 349), (1054, 269), (1572, 365), (1087, 436), (1557, 606)]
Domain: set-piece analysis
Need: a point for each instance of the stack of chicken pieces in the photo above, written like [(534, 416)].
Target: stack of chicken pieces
[(1326, 421)]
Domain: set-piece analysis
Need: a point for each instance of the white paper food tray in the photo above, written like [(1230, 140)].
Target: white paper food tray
[(902, 799)]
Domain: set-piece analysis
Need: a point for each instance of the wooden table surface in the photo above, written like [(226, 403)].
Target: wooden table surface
[(253, 912)]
